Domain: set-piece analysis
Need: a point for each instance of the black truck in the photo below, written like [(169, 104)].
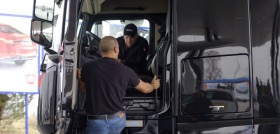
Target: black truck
[(218, 61)]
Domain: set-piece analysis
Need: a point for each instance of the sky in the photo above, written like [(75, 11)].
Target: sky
[(21, 7)]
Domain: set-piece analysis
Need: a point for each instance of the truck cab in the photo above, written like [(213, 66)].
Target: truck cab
[(204, 52)]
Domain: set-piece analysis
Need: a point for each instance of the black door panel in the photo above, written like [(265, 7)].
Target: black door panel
[(47, 101)]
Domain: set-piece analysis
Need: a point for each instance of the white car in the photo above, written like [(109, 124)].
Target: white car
[(223, 100)]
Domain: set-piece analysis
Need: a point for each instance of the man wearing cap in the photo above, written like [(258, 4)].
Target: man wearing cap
[(133, 49)]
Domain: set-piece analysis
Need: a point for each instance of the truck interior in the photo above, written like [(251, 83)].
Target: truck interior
[(101, 18)]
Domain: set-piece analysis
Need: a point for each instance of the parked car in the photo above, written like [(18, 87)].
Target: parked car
[(209, 101), (242, 91), (223, 100), (15, 45)]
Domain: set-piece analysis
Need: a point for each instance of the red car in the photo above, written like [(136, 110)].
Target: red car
[(16, 46)]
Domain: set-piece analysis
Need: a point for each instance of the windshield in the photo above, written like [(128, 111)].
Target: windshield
[(115, 28)]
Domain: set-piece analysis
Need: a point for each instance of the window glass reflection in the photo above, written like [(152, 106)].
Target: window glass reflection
[(215, 85)]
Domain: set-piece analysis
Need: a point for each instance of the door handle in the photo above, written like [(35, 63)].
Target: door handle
[(216, 108)]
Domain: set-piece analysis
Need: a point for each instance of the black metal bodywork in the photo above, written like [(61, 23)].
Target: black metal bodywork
[(246, 31), (220, 71), (265, 62)]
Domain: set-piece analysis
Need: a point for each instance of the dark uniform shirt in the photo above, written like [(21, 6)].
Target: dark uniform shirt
[(134, 56), (106, 83)]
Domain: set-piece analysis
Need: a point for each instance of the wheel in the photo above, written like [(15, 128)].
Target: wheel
[(20, 62)]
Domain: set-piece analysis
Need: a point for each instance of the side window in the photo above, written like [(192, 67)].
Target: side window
[(7, 29), (115, 28), (13, 30), (3, 29)]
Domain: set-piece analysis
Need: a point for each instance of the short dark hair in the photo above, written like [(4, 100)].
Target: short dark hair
[(130, 29)]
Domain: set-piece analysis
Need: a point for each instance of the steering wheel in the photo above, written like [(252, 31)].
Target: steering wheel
[(93, 41)]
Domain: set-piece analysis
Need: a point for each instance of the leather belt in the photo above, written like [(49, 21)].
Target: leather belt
[(105, 116)]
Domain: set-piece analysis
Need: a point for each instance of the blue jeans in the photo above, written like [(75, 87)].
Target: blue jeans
[(110, 126)]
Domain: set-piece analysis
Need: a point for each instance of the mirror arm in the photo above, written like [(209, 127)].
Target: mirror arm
[(56, 58), (43, 66), (50, 51), (61, 52), (57, 1)]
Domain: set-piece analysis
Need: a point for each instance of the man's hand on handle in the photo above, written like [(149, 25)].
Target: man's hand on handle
[(146, 87), (155, 82), (79, 73), (82, 86)]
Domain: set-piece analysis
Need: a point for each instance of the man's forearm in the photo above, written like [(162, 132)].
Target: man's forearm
[(145, 87), (149, 88)]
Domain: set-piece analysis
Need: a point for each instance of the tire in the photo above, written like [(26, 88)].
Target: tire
[(20, 62)]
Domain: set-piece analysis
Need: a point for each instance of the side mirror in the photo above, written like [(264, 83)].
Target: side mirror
[(41, 33), (43, 9), (41, 25)]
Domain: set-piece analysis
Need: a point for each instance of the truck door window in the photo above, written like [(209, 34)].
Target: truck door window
[(115, 28), (215, 84)]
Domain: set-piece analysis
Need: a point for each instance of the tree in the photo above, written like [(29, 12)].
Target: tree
[(3, 100), (13, 105), (213, 71)]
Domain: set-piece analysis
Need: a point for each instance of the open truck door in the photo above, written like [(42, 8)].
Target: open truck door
[(53, 28)]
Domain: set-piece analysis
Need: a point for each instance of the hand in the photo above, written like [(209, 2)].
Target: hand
[(79, 73), (155, 82)]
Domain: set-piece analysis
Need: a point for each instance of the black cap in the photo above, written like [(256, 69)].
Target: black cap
[(130, 29)]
